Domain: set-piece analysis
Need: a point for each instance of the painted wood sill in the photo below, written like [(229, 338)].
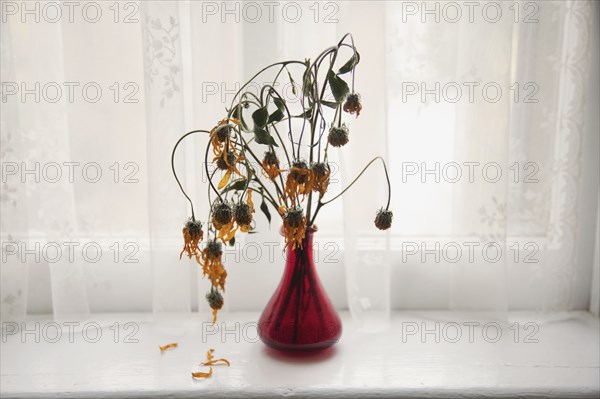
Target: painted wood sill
[(410, 359)]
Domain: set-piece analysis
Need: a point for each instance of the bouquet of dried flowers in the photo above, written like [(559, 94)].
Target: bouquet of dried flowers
[(292, 173)]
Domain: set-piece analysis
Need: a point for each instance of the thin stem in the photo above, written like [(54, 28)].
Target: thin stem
[(358, 177), (206, 166), (321, 204), (317, 105), (289, 118), (283, 63), (173, 166)]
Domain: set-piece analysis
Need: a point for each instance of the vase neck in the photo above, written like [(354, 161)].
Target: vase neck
[(304, 255)]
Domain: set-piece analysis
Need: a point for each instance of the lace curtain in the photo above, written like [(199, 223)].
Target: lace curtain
[(105, 235)]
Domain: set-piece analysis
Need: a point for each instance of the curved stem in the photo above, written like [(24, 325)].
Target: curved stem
[(283, 63), (173, 166), (387, 177), (206, 167)]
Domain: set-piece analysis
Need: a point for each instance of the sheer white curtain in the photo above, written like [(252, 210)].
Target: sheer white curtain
[(166, 67)]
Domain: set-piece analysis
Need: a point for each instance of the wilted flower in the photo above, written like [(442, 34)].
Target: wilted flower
[(294, 227), (223, 131), (212, 266), (321, 173), (299, 181), (214, 249), (338, 136), (383, 219), (352, 104), (215, 300), (219, 135), (222, 214), (270, 165), (243, 216), (192, 235), (225, 160)]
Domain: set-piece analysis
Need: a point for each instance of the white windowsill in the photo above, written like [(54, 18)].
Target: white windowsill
[(564, 363)]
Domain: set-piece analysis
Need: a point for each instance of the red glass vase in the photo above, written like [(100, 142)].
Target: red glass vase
[(300, 315)]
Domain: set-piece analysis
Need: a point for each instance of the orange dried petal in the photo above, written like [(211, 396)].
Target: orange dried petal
[(172, 345), (217, 362), (249, 201), (201, 374), (225, 179)]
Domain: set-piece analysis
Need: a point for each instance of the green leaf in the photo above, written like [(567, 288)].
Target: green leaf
[(232, 242), (244, 126), (265, 208), (263, 137), (329, 104), (292, 82), (348, 66), (243, 123), (307, 81), (307, 85), (339, 88), (279, 103), (276, 116), (237, 185), (260, 117), (305, 115)]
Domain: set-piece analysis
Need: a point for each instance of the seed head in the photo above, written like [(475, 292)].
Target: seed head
[(294, 217), (270, 159), (224, 165), (243, 214), (221, 214), (298, 171), (352, 104), (214, 249), (215, 299), (383, 219), (338, 136), (223, 131)]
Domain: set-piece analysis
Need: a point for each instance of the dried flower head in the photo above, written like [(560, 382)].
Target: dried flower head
[(298, 171), (299, 181), (338, 136), (352, 104), (294, 227), (383, 219), (215, 299), (219, 136), (226, 160), (223, 131), (214, 249), (270, 165), (321, 173), (243, 214), (212, 267), (222, 214), (192, 235), (270, 158)]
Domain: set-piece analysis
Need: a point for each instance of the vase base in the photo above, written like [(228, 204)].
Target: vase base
[(299, 348)]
